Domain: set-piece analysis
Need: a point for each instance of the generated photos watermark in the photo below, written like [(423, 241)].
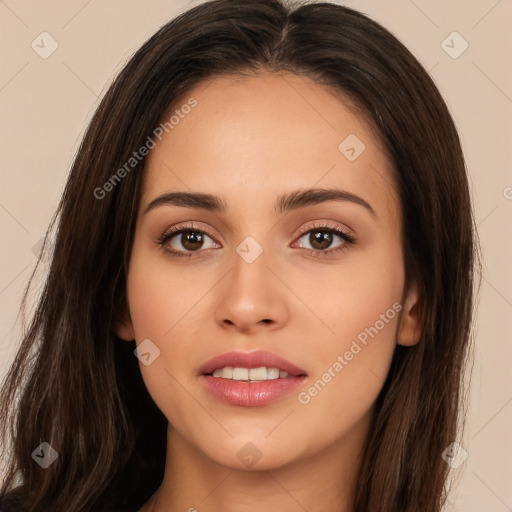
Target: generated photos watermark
[(143, 151), (304, 397)]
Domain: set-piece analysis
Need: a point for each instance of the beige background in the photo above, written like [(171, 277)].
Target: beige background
[(46, 103)]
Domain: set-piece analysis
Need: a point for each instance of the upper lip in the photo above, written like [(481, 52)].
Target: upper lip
[(253, 359)]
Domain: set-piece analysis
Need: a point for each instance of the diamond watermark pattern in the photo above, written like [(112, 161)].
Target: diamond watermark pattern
[(147, 352), (249, 454), (249, 249), (455, 455), (454, 45), (351, 147), (45, 455), (44, 45)]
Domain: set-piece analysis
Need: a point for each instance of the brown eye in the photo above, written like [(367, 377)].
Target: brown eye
[(321, 239), (185, 241), (191, 240)]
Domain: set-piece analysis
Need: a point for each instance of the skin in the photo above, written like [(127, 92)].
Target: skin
[(249, 140)]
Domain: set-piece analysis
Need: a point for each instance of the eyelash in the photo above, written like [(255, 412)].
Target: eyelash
[(348, 239)]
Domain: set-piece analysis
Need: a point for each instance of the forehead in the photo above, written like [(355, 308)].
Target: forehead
[(258, 136)]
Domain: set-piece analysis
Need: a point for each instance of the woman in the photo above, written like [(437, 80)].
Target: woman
[(270, 210)]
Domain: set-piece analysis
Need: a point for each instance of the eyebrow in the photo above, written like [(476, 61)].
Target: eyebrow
[(287, 202)]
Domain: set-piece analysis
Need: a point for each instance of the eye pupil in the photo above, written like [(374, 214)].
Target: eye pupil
[(323, 238), (191, 240)]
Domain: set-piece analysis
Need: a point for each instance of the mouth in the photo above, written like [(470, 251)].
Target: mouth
[(250, 379), (249, 374)]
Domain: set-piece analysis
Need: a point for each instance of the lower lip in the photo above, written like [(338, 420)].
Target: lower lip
[(250, 394)]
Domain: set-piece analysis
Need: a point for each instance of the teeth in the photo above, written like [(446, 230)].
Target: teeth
[(258, 373), (272, 373), (240, 374), (252, 374)]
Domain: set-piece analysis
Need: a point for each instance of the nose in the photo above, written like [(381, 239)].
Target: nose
[(252, 297)]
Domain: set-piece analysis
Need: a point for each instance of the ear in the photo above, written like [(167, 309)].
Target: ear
[(410, 328), (124, 327)]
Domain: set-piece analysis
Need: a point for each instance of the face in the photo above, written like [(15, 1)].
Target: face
[(271, 273)]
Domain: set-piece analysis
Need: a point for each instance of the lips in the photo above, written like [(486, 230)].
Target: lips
[(229, 378)]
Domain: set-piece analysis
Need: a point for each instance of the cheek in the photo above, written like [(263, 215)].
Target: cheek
[(353, 296), (164, 301), (350, 370), (362, 310), (159, 295)]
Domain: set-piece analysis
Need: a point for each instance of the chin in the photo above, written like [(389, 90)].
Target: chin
[(248, 454)]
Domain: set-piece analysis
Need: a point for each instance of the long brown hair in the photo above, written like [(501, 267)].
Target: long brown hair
[(77, 386)]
